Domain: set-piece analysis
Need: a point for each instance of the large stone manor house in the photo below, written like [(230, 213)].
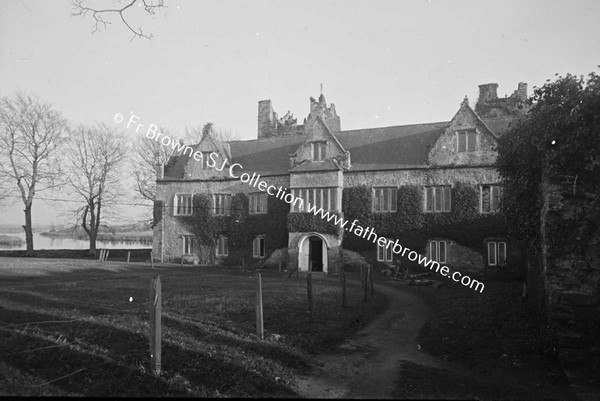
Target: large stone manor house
[(432, 186)]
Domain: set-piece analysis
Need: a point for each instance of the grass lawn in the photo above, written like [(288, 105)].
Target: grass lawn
[(493, 336), (78, 327)]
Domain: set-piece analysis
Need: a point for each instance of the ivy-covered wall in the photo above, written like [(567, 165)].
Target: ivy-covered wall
[(413, 227), (307, 222), (240, 227)]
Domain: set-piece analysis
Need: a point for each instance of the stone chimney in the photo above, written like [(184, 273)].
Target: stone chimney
[(521, 92), (160, 171), (265, 118), (487, 92)]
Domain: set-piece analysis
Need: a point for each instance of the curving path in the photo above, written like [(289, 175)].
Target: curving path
[(368, 364)]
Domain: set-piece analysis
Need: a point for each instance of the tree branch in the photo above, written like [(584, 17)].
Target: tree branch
[(150, 6)]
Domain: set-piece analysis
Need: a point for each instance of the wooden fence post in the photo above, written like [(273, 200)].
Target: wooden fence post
[(362, 277), (128, 255), (155, 325), (151, 260), (366, 286), (100, 256), (343, 287), (106, 255), (259, 307), (309, 287)]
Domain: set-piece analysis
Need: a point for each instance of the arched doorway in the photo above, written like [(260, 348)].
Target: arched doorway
[(312, 248), (315, 253)]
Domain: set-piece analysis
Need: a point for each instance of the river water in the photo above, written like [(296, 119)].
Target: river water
[(41, 242)]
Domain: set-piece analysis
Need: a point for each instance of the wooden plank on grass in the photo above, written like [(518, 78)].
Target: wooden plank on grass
[(155, 325), (259, 307), (100, 256), (106, 256), (128, 255)]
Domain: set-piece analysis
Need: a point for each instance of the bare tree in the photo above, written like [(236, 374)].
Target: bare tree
[(96, 155), (31, 133), (147, 154), (6, 190), (150, 6)]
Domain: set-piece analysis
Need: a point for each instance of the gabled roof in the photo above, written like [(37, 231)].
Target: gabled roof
[(391, 147), (466, 104), (175, 167), (370, 149)]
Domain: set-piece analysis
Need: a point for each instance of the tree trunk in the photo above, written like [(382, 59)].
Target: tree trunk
[(93, 236), (28, 231)]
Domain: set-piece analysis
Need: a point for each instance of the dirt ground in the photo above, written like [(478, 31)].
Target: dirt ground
[(385, 360)]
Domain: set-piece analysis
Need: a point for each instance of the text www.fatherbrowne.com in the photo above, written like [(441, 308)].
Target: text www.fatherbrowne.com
[(253, 180)]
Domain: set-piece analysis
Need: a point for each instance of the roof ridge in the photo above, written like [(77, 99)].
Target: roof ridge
[(266, 139), (391, 126), (335, 132)]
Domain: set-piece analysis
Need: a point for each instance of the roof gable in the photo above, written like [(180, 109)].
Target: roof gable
[(217, 155), (382, 148), (335, 154), (445, 150)]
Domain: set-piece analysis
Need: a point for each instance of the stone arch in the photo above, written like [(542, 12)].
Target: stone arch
[(306, 248)]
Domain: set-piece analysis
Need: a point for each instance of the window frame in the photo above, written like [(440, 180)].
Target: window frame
[(431, 193), (188, 207), (224, 206), (188, 244), (204, 162), (257, 203), (500, 189), (318, 148), (496, 245), (434, 255), (387, 251), (222, 244), (391, 204), (468, 133), (258, 243), (305, 193)]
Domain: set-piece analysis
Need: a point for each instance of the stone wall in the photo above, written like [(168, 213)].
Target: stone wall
[(571, 263), (170, 243), (445, 151), (422, 176), (270, 124)]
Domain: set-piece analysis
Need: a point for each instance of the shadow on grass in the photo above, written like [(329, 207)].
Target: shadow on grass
[(114, 362), (277, 352)]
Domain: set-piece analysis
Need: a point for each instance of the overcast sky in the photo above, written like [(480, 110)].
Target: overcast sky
[(381, 62)]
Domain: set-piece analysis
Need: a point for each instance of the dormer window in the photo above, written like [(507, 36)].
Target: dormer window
[(319, 151), (205, 158), (466, 141)]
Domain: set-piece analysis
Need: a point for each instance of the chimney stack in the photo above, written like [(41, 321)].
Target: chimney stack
[(488, 92), (265, 118), (160, 171), (522, 91)]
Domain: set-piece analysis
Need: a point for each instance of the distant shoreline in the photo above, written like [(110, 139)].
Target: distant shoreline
[(142, 236), (11, 240)]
